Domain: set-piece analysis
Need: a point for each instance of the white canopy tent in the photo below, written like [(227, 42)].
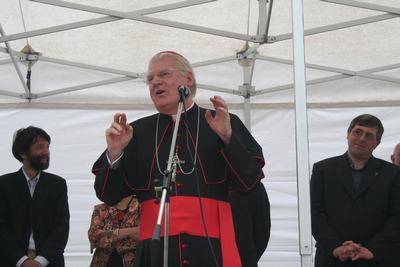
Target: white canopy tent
[(91, 64)]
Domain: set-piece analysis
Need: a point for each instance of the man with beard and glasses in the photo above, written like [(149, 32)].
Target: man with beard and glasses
[(355, 203), (34, 212)]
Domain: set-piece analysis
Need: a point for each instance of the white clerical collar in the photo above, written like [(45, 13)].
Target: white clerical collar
[(174, 115)]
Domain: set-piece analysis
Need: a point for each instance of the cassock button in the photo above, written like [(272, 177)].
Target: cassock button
[(185, 262), (184, 245), (179, 184)]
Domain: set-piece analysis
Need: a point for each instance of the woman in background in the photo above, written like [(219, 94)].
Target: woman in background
[(114, 232)]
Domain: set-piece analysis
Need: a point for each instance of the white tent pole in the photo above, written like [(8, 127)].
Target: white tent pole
[(337, 26), (247, 113), (367, 73), (100, 20), (151, 20), (331, 69), (213, 61), (90, 67), (83, 86), (262, 19), (247, 89), (219, 89), (365, 5), (302, 153), (310, 82), (10, 52), (9, 93)]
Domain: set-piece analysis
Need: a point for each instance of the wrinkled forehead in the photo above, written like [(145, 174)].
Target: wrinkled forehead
[(159, 64)]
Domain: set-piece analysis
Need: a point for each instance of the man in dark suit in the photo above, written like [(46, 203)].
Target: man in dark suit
[(355, 203), (252, 222), (34, 213)]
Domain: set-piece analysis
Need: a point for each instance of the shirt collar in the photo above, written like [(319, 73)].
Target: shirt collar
[(189, 108), (27, 177), (352, 165)]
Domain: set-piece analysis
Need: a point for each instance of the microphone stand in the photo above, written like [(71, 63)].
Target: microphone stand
[(169, 175)]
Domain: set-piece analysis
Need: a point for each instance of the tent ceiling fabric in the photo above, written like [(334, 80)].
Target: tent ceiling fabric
[(127, 45), (349, 70)]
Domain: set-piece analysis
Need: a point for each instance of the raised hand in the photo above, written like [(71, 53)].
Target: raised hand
[(221, 122), (118, 136)]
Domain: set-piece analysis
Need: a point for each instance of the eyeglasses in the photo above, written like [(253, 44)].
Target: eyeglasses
[(367, 135), (163, 74)]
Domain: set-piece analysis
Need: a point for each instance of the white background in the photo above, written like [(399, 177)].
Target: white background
[(78, 139), (77, 120)]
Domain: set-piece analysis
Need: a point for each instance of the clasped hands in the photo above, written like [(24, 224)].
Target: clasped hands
[(31, 263), (353, 251)]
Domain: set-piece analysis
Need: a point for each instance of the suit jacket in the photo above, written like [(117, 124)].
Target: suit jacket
[(46, 214), (252, 221), (370, 216)]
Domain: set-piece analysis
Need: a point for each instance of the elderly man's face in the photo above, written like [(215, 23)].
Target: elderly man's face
[(362, 141), (164, 78)]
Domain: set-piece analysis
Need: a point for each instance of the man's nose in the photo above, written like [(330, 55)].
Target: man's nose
[(156, 79), (363, 137), (46, 151)]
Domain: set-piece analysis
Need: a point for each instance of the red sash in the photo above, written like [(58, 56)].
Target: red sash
[(185, 218)]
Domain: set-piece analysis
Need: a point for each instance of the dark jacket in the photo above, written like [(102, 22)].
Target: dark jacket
[(46, 213), (252, 221), (370, 216)]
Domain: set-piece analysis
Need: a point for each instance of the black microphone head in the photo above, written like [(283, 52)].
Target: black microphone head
[(183, 90)]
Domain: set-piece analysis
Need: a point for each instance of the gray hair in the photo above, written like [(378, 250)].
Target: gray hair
[(182, 64)]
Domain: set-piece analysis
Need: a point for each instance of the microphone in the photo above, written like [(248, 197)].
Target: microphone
[(183, 92)]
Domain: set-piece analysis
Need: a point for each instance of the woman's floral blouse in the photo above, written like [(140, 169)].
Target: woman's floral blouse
[(101, 234)]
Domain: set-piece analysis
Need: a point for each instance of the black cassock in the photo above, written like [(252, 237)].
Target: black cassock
[(252, 221), (219, 168)]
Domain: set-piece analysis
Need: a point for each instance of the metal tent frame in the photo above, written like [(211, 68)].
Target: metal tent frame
[(246, 58)]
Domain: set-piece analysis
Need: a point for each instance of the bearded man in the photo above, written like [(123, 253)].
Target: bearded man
[(34, 212)]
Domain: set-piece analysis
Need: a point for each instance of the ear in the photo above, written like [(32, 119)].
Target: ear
[(392, 158), (23, 156), (189, 79)]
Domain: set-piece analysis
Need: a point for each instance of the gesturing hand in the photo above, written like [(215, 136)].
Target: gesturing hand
[(221, 122), (118, 136)]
